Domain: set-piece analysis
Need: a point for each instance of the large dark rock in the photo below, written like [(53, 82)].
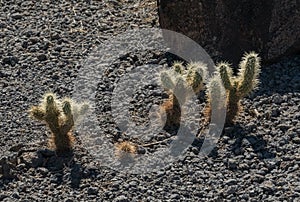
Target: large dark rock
[(226, 29)]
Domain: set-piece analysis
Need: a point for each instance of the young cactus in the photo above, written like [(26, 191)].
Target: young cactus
[(177, 81), (240, 86), (59, 117)]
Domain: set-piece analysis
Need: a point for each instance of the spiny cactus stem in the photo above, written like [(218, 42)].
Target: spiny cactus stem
[(215, 93), (178, 67), (181, 90), (166, 80), (248, 76), (68, 121), (226, 75), (38, 113), (52, 114), (198, 81), (68, 124), (233, 105)]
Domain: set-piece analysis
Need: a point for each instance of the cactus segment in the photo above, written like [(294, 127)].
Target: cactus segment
[(216, 98), (178, 67), (249, 71), (167, 80), (37, 113), (215, 93), (226, 74)]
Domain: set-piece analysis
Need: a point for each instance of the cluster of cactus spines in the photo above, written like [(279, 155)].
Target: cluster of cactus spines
[(241, 85), (177, 81), (125, 150), (127, 147), (59, 117)]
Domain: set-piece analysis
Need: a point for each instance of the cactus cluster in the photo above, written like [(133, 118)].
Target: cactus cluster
[(177, 81), (59, 115), (238, 86)]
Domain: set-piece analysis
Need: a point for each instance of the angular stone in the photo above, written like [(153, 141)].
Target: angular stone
[(6, 168), (16, 16), (42, 57), (93, 191), (296, 140), (231, 181)]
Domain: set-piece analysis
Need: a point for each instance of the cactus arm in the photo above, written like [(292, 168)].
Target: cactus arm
[(215, 92), (166, 80), (180, 90), (226, 75), (233, 103), (178, 67), (216, 98), (198, 80), (195, 80), (68, 121), (249, 70), (79, 110), (52, 113), (190, 77), (38, 113)]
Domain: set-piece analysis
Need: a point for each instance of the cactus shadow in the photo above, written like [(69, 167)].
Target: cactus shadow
[(62, 166), (244, 139), (198, 143)]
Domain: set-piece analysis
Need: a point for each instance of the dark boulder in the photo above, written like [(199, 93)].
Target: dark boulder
[(227, 29)]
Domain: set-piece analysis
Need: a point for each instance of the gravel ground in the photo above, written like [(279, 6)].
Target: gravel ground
[(42, 47)]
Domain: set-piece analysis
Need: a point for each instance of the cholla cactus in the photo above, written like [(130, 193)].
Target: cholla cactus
[(240, 86), (59, 117), (177, 81)]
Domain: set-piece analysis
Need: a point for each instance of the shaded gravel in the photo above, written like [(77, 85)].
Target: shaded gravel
[(41, 48)]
